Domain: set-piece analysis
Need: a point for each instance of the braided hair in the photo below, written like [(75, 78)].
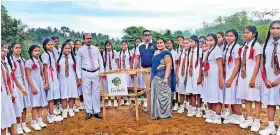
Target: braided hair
[(30, 50), (45, 42), (214, 36), (10, 54), (194, 38), (235, 33), (108, 42), (267, 38), (254, 30), (62, 48)]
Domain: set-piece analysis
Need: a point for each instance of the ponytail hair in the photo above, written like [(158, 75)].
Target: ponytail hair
[(267, 38)]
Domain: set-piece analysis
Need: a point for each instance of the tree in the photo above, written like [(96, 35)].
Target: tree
[(263, 15)]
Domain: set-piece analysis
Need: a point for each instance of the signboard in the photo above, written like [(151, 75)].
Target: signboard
[(117, 84)]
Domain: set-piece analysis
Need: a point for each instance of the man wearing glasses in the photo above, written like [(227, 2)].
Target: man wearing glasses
[(144, 55), (89, 64)]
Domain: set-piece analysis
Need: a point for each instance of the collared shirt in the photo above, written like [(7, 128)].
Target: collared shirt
[(56, 52), (146, 53), (83, 60)]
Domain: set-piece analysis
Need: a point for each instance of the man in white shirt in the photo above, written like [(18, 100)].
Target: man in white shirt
[(89, 64)]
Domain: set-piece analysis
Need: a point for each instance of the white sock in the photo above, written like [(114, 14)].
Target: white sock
[(257, 120), (249, 118), (82, 104), (194, 108), (271, 124), (226, 109), (39, 119), (33, 122), (19, 125), (23, 124), (218, 116)]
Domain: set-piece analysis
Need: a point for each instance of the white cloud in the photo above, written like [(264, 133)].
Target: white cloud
[(173, 14)]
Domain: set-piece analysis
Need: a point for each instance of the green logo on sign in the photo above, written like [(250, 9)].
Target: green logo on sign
[(116, 81)]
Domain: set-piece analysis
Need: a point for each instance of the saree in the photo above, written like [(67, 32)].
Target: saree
[(161, 105)]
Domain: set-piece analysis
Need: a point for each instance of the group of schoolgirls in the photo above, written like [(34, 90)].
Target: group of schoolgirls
[(123, 59), (37, 83), (217, 71)]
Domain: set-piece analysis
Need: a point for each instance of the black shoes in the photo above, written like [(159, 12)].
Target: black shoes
[(88, 116), (98, 115)]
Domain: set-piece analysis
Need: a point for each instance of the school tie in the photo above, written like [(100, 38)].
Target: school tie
[(91, 58), (183, 65), (274, 60), (41, 69), (191, 65), (67, 66), (21, 71), (243, 62), (110, 64), (205, 64), (123, 60), (225, 61)]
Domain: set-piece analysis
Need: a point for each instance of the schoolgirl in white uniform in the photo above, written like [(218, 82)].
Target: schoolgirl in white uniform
[(111, 60), (78, 45), (126, 63), (231, 70), (250, 77), (175, 96), (8, 116), (194, 77), (271, 74), (17, 62), (35, 79), (140, 79), (51, 83), (68, 79), (213, 78)]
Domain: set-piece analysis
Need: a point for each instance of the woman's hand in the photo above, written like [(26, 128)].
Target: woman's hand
[(23, 91), (268, 84), (228, 83), (165, 81), (47, 86), (252, 83), (221, 83), (34, 91)]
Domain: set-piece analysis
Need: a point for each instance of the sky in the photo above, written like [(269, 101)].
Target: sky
[(112, 16)]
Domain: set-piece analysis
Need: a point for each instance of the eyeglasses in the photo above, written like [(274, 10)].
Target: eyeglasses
[(56, 41), (147, 35), (88, 38)]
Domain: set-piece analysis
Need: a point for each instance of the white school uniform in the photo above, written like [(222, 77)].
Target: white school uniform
[(140, 78), (243, 89), (202, 95), (110, 56), (80, 87), (212, 91), (91, 80), (271, 96), (40, 99), (18, 107), (8, 116), (24, 100), (192, 87), (54, 91), (130, 82), (181, 87), (230, 93), (68, 85), (174, 57), (179, 57)]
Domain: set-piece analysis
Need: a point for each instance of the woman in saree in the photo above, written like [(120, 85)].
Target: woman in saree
[(163, 82)]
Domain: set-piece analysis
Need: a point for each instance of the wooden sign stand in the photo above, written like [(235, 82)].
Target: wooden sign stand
[(131, 72)]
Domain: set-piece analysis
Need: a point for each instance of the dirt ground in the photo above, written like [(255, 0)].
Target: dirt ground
[(122, 122)]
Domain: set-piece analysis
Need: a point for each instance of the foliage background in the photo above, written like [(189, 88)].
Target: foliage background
[(13, 30)]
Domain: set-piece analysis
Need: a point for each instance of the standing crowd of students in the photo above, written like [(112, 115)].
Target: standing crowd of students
[(213, 70)]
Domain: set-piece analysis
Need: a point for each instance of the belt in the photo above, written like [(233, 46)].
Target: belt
[(91, 71)]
